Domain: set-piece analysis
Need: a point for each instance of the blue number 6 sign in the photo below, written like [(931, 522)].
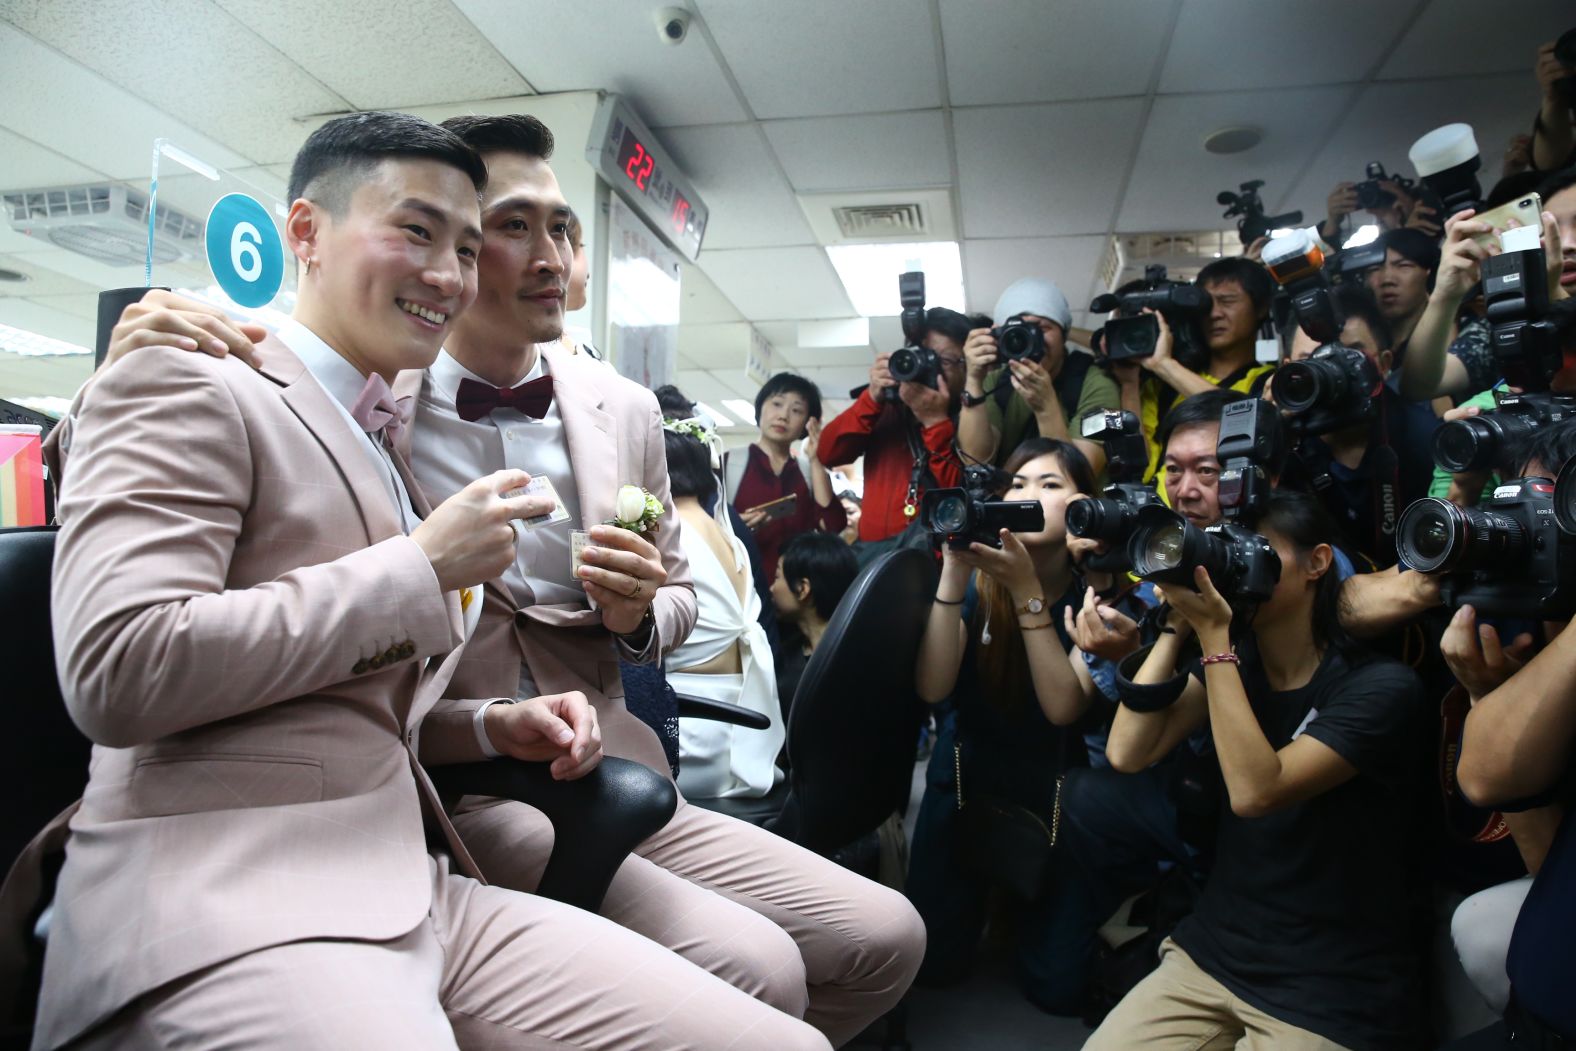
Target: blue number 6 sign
[(245, 255)]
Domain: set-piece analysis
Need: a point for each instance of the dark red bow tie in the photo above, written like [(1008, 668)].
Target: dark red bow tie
[(475, 400)]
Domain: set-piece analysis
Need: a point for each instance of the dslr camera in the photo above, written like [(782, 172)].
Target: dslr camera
[(1134, 334), (959, 517), (913, 362), (1370, 194), (1166, 546), (1111, 518), (1019, 339), (1253, 223)]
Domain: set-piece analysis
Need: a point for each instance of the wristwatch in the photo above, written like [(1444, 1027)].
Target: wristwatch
[(1033, 606), (971, 400)]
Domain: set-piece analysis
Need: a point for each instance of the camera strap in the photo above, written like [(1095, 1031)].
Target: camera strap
[(919, 476)]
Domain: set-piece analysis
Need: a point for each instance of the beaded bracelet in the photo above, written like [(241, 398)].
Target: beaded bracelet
[(1220, 658)]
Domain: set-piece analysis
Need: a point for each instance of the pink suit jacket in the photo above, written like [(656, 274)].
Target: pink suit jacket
[(614, 432), (243, 629)]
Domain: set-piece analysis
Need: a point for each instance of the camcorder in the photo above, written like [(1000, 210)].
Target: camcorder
[(959, 517), (1253, 223), (1133, 335), (913, 362), (1111, 518), (1527, 351), (1019, 339), (1336, 386)]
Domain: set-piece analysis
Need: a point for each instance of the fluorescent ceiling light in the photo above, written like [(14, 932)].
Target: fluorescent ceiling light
[(1362, 235), (32, 345), (869, 274), (716, 417), (180, 156), (744, 410)]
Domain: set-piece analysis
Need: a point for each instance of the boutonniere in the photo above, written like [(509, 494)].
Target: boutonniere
[(636, 509)]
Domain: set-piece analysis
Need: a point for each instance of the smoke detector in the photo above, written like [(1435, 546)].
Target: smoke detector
[(106, 222), (1233, 140)]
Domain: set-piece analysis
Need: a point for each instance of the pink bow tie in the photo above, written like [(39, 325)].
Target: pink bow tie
[(376, 409)]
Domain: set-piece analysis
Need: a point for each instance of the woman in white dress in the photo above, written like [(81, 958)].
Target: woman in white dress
[(727, 656)]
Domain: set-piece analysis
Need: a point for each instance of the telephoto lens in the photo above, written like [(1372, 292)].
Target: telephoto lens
[(1477, 443), (1436, 536), (1166, 547), (1332, 389)]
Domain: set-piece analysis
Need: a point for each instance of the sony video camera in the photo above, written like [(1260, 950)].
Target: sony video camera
[(1111, 518), (1253, 223), (958, 517), (1133, 335), (913, 362), (1336, 386)]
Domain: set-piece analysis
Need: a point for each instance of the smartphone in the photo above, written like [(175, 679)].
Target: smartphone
[(776, 508), (1523, 211)]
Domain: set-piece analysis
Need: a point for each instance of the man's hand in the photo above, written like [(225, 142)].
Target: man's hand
[(469, 538), (1518, 155), (1161, 359), (1255, 249), (1032, 383), (1101, 630), (980, 354), (164, 319), (929, 406), (1422, 218), (560, 729), (1460, 257), (880, 376), (1342, 202), (1475, 656), (1550, 71), (622, 571)]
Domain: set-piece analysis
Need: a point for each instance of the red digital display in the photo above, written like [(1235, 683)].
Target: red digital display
[(632, 162), (637, 164)]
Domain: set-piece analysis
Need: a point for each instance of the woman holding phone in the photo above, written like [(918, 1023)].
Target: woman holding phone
[(771, 492)]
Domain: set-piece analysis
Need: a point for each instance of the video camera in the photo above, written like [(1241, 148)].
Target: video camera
[(913, 362), (1112, 518), (958, 517), (1254, 224), (1134, 334), (1335, 387)]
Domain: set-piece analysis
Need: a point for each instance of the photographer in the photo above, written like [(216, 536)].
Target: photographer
[(993, 647), (1302, 933), (1402, 284), (1006, 404), (1366, 473), (907, 445)]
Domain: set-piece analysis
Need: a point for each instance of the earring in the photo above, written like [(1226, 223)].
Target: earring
[(309, 268)]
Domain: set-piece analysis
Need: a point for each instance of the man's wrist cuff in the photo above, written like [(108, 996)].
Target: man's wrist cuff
[(479, 725)]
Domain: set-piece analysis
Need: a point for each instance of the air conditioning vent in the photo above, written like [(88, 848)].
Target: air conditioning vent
[(862, 221), (884, 215), (107, 223)]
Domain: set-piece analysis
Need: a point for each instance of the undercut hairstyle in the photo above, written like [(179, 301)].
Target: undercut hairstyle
[(789, 383), (507, 132), (1353, 300), (1254, 279), (689, 466), (342, 154), (949, 323), (1547, 448), (574, 230), (673, 403), (827, 562)]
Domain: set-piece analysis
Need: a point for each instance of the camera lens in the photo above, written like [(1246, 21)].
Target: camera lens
[(1014, 341), (1298, 385), (1100, 518), (951, 514), (903, 364), (1163, 547), (1437, 536), (1480, 442)]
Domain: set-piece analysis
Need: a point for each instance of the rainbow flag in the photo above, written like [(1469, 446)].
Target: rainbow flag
[(21, 475)]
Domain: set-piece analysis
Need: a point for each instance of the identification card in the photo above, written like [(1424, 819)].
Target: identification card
[(579, 540), (540, 485)]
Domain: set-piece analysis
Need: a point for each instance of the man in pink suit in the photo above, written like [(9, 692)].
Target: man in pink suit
[(256, 611)]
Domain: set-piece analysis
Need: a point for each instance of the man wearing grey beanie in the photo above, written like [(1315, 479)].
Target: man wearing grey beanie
[(1003, 404)]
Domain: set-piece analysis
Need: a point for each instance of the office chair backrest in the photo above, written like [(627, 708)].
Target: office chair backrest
[(45, 757), (853, 726)]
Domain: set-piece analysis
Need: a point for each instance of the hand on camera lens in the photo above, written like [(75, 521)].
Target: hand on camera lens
[(880, 377), (979, 352), (1032, 383), (1475, 656), (929, 406), (1205, 609), (1163, 344), (1342, 202)]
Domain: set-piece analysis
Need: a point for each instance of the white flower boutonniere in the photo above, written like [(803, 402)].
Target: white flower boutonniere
[(636, 509)]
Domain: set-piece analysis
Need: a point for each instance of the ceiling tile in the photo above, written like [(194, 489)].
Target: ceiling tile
[(1050, 50), (1175, 179), (615, 48), (1232, 45), (798, 358), (414, 52), (224, 79), (721, 346), (700, 303), (1049, 169), (822, 57), (990, 266), (779, 334), (30, 166), (53, 100), (1506, 40), (42, 377), (751, 204), (778, 283), (878, 152), (41, 280), (39, 317), (82, 305)]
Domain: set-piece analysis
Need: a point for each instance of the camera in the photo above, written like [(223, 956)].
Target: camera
[(1134, 334), (1296, 263), (1165, 547), (1447, 162), (1507, 557), (1479, 443), (673, 24), (1253, 223), (1019, 339), (1370, 194), (959, 517), (1245, 448), (913, 362), (1111, 518)]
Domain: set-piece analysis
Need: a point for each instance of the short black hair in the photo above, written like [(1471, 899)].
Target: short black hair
[(343, 152), (1203, 407), (980, 321), (827, 562), (673, 402), (1414, 245), (1353, 300), (1513, 186), (1254, 279), (1559, 182), (789, 383), (574, 230), (689, 466), (1548, 447), (507, 132), (949, 323)]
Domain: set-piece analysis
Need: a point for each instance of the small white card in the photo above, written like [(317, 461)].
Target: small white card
[(579, 540), (539, 485)]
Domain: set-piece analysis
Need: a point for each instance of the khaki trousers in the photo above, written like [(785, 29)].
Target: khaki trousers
[(489, 969), (1181, 1008), (766, 916)]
